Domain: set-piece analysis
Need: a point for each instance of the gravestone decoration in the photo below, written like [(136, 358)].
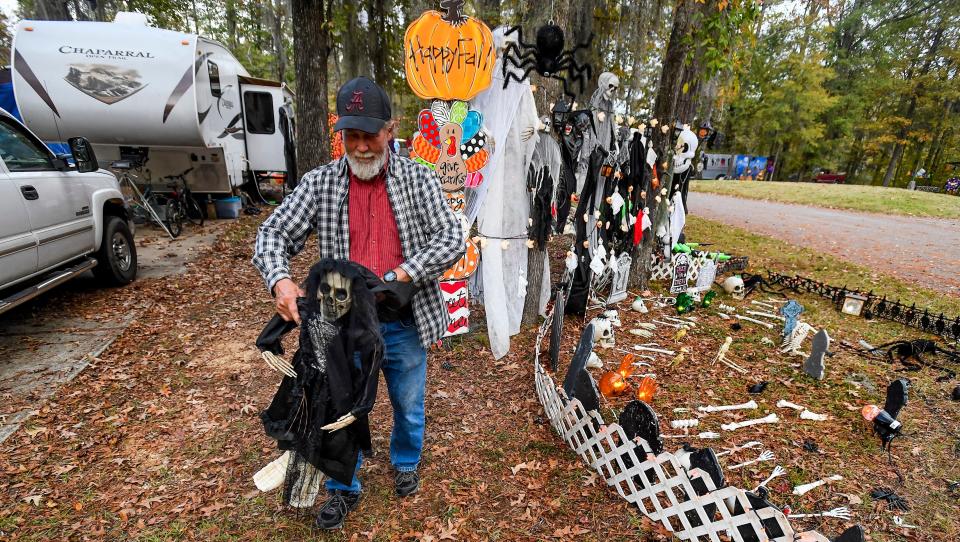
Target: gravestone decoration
[(790, 312), (639, 420), (814, 366), (681, 269), (578, 362), (708, 274), (621, 274)]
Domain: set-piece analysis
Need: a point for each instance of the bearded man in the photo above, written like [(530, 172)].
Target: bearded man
[(388, 214)]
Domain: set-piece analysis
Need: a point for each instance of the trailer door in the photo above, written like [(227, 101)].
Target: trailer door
[(261, 111)]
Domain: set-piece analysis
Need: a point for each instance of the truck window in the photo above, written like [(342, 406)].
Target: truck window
[(20, 152), (213, 71), (258, 110)]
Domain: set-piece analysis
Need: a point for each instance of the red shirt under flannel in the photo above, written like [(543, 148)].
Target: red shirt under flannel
[(374, 239)]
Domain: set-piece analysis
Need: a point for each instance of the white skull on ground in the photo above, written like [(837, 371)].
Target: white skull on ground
[(603, 331), (734, 286), (686, 147), (335, 296)]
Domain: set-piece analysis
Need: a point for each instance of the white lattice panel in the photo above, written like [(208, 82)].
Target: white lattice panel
[(663, 270), (658, 485)]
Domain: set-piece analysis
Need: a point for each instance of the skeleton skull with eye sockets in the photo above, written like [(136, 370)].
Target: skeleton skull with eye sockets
[(734, 286), (335, 296), (603, 331), (686, 147), (609, 83)]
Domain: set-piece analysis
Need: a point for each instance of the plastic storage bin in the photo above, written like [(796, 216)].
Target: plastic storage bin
[(229, 207)]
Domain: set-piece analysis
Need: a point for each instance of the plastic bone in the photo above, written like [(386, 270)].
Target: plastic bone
[(657, 350), (813, 416), (806, 488), (722, 353), (791, 343), (767, 455), (765, 315), (764, 304), (647, 325), (772, 418), (703, 435), (646, 334), (272, 475), (766, 341), (840, 513), (745, 446), (671, 324), (783, 403), (342, 422), (594, 361), (681, 321), (751, 404), (767, 325), (777, 471), (278, 364), (683, 424)]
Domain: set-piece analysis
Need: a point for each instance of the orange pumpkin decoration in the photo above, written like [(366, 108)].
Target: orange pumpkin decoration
[(647, 388), (466, 265), (626, 365), (612, 383), (448, 56)]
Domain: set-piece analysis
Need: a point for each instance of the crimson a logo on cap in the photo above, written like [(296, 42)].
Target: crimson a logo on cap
[(356, 103)]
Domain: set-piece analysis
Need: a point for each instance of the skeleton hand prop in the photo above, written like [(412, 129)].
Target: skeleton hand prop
[(277, 363), (841, 513), (527, 133), (272, 475), (745, 446), (344, 421), (806, 488), (767, 455), (683, 424), (777, 471), (734, 426), (727, 308), (751, 404)]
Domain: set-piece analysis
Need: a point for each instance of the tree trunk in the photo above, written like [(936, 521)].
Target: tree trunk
[(52, 10), (489, 12), (580, 28), (531, 304), (279, 44), (377, 10), (311, 49)]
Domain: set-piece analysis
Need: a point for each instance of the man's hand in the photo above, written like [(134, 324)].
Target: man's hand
[(285, 292), (402, 275)]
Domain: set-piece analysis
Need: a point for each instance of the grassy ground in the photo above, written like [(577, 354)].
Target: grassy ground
[(157, 439), (871, 199)]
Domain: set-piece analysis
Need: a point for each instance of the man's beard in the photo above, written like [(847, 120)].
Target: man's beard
[(367, 165)]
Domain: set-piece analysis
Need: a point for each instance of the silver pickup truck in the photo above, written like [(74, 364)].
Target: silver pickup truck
[(57, 220)]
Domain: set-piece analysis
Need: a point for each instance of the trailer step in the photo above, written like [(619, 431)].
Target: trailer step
[(48, 282)]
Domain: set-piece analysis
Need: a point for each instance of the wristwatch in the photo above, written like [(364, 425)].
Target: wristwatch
[(390, 276)]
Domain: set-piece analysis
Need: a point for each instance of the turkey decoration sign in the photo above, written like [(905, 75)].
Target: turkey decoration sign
[(449, 58)]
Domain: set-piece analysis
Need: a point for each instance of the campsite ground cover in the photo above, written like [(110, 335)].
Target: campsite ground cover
[(158, 438), (870, 199)]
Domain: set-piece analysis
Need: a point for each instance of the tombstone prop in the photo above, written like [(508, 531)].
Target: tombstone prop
[(681, 268), (621, 274), (578, 362), (790, 312), (708, 274), (639, 420), (814, 366)]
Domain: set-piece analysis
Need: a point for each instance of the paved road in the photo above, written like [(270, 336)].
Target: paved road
[(920, 250)]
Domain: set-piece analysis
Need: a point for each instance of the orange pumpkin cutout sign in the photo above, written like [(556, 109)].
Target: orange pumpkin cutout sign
[(448, 56)]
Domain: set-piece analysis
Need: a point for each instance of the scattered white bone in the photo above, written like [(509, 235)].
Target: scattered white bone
[(766, 341), (767, 455), (639, 306), (842, 513), (791, 343), (646, 334), (768, 325), (772, 418), (681, 321), (613, 316), (681, 409), (277, 363), (777, 471), (272, 475), (703, 435), (806, 488), (813, 416), (657, 350), (898, 521), (766, 315), (751, 404), (683, 424), (723, 315), (647, 325), (671, 324), (783, 403), (770, 306), (727, 308), (594, 361), (745, 446)]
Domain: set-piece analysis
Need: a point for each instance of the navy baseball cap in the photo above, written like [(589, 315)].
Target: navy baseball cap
[(362, 105)]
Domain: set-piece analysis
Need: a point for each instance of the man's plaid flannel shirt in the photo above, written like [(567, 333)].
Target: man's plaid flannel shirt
[(430, 234)]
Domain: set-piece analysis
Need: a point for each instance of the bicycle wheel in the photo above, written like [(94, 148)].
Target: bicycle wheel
[(174, 218), (192, 210)]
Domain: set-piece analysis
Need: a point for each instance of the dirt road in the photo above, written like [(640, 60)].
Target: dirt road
[(920, 250)]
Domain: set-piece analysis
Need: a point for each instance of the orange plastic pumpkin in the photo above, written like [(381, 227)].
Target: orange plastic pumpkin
[(612, 383), (647, 388), (448, 56)]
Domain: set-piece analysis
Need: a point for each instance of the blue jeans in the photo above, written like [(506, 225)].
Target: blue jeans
[(405, 370)]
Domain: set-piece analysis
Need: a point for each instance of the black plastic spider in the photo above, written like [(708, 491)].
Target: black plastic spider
[(547, 58)]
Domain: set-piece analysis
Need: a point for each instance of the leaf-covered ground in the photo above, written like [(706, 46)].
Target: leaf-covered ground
[(159, 437)]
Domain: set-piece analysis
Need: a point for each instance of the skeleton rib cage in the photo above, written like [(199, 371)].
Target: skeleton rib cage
[(659, 487)]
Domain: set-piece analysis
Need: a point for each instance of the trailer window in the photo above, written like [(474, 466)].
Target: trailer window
[(214, 72), (20, 152), (258, 110)]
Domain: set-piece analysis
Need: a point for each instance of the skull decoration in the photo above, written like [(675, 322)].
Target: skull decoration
[(603, 331), (335, 296), (609, 83), (734, 286), (686, 147)]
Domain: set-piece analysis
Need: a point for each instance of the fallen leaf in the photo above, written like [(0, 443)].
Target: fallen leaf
[(33, 499)]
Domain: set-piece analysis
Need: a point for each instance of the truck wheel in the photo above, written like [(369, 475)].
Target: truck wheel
[(117, 257)]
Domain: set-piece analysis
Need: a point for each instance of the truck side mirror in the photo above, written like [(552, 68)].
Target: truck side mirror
[(83, 154)]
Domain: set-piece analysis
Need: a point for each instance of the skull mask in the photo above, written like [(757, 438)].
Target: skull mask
[(734, 286), (608, 84), (603, 331), (334, 296), (686, 147)]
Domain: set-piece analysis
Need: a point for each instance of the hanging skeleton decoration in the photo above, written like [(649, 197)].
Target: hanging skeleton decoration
[(322, 426), (683, 169), (547, 57)]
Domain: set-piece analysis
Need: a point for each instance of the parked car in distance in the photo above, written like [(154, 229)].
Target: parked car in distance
[(57, 221), (827, 176)]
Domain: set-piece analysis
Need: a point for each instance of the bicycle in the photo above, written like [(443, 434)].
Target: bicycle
[(182, 194), (145, 204)]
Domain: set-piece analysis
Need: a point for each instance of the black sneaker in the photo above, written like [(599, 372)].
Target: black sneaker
[(407, 483), (335, 510)]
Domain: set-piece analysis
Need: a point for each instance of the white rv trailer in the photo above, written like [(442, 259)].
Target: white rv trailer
[(178, 100)]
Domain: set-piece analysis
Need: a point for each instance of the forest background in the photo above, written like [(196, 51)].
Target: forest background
[(862, 86)]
